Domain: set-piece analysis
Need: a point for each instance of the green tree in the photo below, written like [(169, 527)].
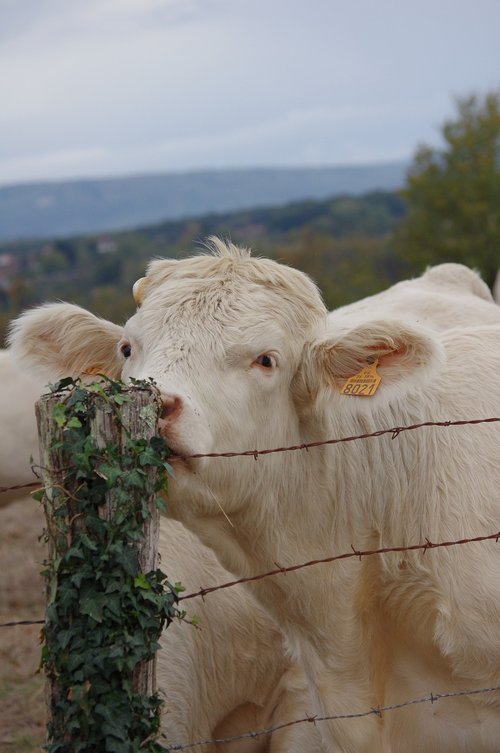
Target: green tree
[(453, 192)]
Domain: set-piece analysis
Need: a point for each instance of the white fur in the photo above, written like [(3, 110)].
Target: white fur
[(19, 442), (216, 679), (496, 288), (446, 296), (370, 633)]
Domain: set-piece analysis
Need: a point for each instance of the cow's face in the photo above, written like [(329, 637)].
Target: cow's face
[(223, 338)]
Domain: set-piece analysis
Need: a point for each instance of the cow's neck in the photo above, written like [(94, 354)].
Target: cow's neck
[(328, 500), (344, 617)]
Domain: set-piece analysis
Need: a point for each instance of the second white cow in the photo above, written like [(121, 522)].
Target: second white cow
[(446, 296), (18, 438)]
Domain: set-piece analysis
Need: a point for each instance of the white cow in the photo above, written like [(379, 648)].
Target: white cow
[(19, 441), (247, 359)]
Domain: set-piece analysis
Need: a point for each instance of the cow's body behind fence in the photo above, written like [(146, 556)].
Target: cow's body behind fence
[(247, 359), (217, 679), (19, 442)]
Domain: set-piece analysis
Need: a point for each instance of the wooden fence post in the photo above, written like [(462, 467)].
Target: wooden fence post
[(112, 423)]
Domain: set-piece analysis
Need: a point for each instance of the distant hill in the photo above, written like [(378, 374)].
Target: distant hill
[(55, 209)]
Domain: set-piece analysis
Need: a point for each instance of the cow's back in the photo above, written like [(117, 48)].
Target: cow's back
[(444, 297)]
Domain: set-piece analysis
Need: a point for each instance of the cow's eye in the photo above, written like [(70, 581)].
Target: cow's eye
[(265, 361), (126, 350)]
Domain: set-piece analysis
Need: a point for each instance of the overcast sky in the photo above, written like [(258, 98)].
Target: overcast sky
[(114, 87)]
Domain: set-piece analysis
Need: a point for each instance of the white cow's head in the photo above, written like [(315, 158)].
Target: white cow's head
[(240, 351)]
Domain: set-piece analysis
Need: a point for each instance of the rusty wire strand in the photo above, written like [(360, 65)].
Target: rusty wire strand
[(346, 555), (4, 489), (395, 432), (431, 698)]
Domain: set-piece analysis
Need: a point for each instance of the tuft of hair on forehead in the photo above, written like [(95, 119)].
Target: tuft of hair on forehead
[(230, 271), (225, 248), (220, 257), (226, 261)]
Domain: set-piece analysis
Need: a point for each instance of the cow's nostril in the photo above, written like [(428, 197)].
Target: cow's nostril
[(171, 406)]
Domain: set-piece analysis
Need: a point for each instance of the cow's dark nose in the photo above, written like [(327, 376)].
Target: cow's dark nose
[(171, 406)]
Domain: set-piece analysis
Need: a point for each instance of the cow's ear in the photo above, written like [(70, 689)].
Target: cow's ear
[(60, 339), (400, 354)]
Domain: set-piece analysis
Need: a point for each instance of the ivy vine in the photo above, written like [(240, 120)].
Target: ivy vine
[(104, 615)]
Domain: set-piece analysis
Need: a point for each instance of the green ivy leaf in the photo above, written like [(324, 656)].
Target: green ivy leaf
[(121, 399), (160, 504), (87, 542), (142, 582), (59, 414), (92, 607), (109, 473), (62, 384)]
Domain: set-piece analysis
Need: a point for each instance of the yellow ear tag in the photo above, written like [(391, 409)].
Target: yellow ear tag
[(363, 384)]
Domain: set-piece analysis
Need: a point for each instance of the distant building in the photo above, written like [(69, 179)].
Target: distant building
[(106, 245), (9, 267)]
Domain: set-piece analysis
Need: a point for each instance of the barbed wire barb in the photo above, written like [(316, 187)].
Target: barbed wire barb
[(356, 552)]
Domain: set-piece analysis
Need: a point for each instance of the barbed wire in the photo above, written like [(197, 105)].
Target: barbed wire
[(346, 555), (395, 432), (378, 711), (17, 487), (358, 553), (22, 622)]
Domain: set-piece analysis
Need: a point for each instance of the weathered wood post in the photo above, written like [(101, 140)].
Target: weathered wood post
[(102, 470)]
